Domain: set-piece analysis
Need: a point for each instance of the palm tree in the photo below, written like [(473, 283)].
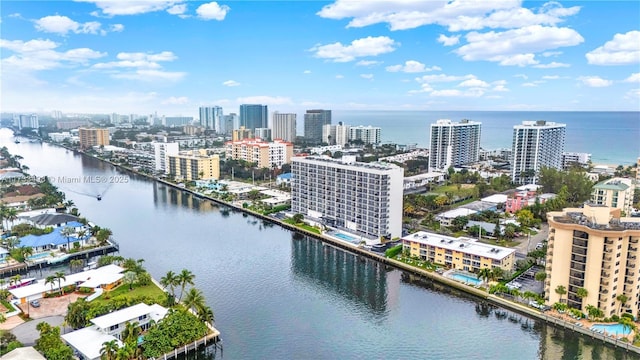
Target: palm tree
[(59, 275), (50, 280), (131, 332), (10, 215), (622, 298), (170, 281), (109, 350), (15, 280), (194, 300), (561, 290), (497, 272), (185, 278), (206, 315), (130, 278), (484, 274), (75, 264), (26, 251), (582, 293), (67, 231)]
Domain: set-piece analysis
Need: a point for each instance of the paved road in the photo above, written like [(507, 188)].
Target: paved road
[(27, 334), (527, 245)]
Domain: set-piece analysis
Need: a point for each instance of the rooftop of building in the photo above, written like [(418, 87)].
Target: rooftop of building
[(591, 216), (619, 184), (155, 311), (452, 214), (24, 353), (349, 161), (461, 122), (88, 341), (539, 123), (461, 244)]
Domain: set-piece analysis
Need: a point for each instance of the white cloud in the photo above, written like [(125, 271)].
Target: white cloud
[(633, 94), (142, 66), (34, 55), (595, 81), (523, 76), (15, 15), (231, 83), (369, 46), (177, 9), (412, 66), (517, 46), (151, 75), (339, 76), (263, 99), (472, 92), (530, 84), (116, 27), (474, 83), (551, 77), (424, 87), (140, 56), (449, 40), (456, 15), (551, 53), (212, 11), (551, 65), (111, 7), (623, 49), (635, 77), (173, 100), (368, 63), (62, 25), (367, 76), (307, 72), (443, 78)]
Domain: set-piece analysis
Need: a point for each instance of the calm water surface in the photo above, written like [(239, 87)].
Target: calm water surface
[(280, 296)]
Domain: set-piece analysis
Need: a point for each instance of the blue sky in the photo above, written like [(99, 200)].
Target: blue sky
[(174, 56)]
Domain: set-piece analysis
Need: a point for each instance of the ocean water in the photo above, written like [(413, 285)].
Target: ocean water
[(610, 137)]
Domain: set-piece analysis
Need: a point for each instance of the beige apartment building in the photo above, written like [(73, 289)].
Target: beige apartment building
[(93, 137), (194, 165), (595, 249), (241, 134), (616, 193), (264, 154), (458, 253)]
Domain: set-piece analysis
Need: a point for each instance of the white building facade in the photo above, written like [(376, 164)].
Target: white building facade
[(211, 118), (454, 144), (161, 152), (283, 126), (536, 144), (367, 134), (361, 197)]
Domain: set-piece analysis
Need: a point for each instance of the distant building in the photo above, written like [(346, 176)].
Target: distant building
[(454, 144), (500, 154), (230, 123), (536, 144), (446, 218), (616, 193), (93, 137), (458, 253), (284, 126), (254, 116), (211, 118), (263, 134), (335, 134), (362, 197), (176, 121), (194, 165), (283, 179), (595, 249), (241, 134), (264, 154), (193, 130), (573, 158), (313, 122), (366, 134), (524, 198), (26, 121), (161, 152), (72, 124)]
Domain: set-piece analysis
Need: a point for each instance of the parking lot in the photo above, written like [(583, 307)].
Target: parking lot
[(527, 281), (49, 307)]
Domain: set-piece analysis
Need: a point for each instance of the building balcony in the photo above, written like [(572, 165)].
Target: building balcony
[(608, 242), (604, 283), (633, 248), (633, 241), (631, 266), (603, 298), (607, 258)]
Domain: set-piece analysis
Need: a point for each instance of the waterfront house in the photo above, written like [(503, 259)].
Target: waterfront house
[(106, 278), (458, 253), (88, 341), (283, 179), (54, 220), (55, 240), (4, 255), (447, 217)]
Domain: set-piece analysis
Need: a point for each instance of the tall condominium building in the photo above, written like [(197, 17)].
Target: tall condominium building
[(264, 154), (241, 134), (26, 121), (575, 158), (454, 144), (263, 134), (93, 137), (458, 253), (194, 165), (230, 123), (211, 118), (363, 197), (313, 122), (335, 134), (176, 121), (366, 134), (254, 116), (284, 126), (616, 193), (536, 144), (593, 248), (161, 152)]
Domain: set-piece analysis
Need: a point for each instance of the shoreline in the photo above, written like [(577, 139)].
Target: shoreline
[(480, 294)]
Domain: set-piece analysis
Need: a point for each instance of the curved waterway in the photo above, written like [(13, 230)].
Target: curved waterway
[(277, 295)]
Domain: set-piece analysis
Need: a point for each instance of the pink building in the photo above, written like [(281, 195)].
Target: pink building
[(524, 198)]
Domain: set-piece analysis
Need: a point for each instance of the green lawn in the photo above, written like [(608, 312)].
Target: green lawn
[(452, 189), (150, 290), (494, 242)]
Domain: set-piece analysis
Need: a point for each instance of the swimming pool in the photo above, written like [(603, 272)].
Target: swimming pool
[(611, 329), (467, 279), (38, 256), (345, 237)]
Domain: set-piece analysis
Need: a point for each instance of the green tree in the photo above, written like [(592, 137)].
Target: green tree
[(103, 235), (131, 332), (561, 290), (178, 328), (59, 275), (50, 344), (459, 223), (582, 293), (622, 299), (50, 280), (67, 231), (77, 313), (297, 218), (194, 300), (540, 276), (75, 264), (185, 278), (170, 281), (525, 218), (109, 350), (130, 278), (484, 274)]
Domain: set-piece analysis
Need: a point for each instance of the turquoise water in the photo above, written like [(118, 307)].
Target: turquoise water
[(466, 279), (612, 329), (345, 237), (38, 256)]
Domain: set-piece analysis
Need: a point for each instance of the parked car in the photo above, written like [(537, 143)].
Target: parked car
[(35, 303)]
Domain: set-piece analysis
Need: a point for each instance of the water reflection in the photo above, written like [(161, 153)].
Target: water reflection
[(353, 277), (164, 196)]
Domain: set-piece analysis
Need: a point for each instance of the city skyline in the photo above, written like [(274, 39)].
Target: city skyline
[(174, 56)]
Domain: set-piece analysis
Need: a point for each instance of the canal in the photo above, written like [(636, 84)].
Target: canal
[(278, 295)]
